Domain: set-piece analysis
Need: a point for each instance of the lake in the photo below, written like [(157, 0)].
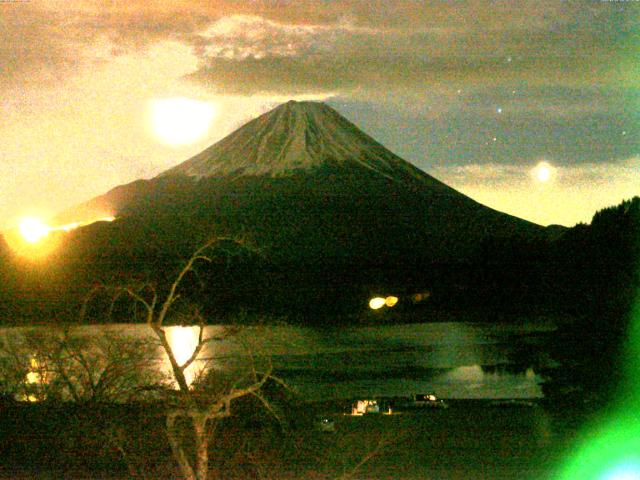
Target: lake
[(455, 360)]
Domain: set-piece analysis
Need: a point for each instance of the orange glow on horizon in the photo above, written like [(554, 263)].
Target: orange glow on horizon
[(33, 237)]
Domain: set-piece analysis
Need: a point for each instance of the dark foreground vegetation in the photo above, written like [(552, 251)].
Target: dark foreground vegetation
[(468, 440), (587, 270), (587, 275)]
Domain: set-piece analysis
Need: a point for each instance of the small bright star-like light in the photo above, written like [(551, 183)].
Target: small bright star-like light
[(499, 110), (543, 172)]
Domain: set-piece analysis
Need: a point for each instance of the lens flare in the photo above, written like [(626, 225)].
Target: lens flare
[(611, 451), (624, 471)]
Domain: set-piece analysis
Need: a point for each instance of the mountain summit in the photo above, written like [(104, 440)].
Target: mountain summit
[(297, 137)]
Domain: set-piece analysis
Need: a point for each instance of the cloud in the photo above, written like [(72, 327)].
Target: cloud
[(419, 44), (246, 55)]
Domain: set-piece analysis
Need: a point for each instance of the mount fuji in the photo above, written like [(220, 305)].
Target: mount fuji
[(328, 208), (308, 184)]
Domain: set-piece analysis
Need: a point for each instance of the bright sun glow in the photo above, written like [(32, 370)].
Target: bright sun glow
[(33, 229), (35, 239), (543, 172), (180, 120)]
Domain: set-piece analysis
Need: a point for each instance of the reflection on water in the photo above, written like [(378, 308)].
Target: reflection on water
[(474, 381), (183, 342)]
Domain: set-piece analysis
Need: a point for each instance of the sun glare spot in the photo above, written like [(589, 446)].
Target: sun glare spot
[(33, 229), (180, 121), (33, 238)]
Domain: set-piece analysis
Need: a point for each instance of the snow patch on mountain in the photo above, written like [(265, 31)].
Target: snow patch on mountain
[(295, 137)]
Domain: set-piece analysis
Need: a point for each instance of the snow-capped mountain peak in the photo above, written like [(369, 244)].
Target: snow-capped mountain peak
[(295, 137)]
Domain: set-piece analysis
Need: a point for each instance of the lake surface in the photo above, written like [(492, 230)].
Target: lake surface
[(453, 359)]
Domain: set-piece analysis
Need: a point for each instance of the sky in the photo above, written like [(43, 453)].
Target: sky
[(530, 107)]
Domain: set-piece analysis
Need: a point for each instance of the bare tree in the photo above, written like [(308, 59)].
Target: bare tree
[(194, 405), (66, 364)]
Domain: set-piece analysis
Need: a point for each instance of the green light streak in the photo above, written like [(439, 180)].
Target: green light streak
[(613, 453), (611, 450)]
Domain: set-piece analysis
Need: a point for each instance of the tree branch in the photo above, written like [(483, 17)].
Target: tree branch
[(171, 296)]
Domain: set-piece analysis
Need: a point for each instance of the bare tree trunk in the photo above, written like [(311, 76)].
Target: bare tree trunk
[(176, 448), (202, 446)]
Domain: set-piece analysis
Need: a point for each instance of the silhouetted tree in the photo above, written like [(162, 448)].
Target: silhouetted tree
[(596, 269)]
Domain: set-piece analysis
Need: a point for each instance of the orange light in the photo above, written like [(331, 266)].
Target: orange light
[(391, 301), (34, 239), (420, 297)]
